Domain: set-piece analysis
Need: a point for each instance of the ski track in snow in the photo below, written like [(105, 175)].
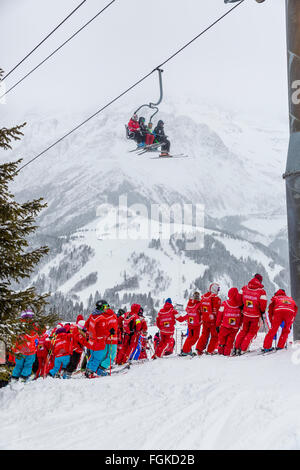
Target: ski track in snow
[(180, 403)]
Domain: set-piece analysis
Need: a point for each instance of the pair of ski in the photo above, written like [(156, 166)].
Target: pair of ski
[(178, 155), (154, 148), (122, 370), (258, 352), (146, 148)]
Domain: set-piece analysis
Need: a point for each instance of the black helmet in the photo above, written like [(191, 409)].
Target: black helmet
[(121, 312), (142, 119), (141, 311), (160, 123), (102, 305)]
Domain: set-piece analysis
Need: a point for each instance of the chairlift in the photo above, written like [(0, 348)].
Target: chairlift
[(150, 105)]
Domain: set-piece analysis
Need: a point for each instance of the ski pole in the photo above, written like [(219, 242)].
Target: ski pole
[(110, 347), (49, 355)]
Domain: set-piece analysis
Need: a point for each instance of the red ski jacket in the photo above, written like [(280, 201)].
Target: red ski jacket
[(132, 321), (210, 304), (133, 126), (230, 312), (41, 347), (282, 303), (61, 343), (144, 326), (78, 339), (166, 319), (193, 315), (98, 326), (26, 343), (254, 299)]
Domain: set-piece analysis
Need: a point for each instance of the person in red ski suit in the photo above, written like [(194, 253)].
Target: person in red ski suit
[(229, 320), (41, 354), (193, 318), (281, 309), (134, 130), (121, 314), (102, 330), (78, 332), (61, 348), (165, 321), (143, 339), (132, 326), (25, 349), (255, 304), (210, 304), (144, 345)]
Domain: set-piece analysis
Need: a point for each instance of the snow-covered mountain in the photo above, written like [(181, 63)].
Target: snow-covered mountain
[(234, 170)]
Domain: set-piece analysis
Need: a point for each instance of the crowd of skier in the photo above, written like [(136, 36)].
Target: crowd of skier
[(108, 339)]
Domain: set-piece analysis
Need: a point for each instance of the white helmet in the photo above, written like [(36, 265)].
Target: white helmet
[(214, 288)]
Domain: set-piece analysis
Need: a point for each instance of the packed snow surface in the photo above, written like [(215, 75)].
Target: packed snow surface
[(212, 402)]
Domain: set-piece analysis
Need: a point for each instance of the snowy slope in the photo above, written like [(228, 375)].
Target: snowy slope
[(205, 403)]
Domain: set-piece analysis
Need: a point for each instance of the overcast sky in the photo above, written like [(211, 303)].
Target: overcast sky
[(239, 65)]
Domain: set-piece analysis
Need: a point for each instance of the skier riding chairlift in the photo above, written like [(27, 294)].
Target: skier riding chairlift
[(143, 135)]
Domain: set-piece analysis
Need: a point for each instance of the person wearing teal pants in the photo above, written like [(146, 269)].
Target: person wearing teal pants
[(108, 357), (23, 367)]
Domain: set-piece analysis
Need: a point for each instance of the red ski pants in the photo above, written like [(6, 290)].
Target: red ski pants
[(226, 339), (192, 338), (279, 317), (247, 333), (42, 360), (165, 342), (129, 345), (149, 139), (208, 330)]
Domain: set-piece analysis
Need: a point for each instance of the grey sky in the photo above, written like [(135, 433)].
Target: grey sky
[(240, 65)]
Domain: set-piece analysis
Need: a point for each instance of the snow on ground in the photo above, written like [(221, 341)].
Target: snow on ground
[(248, 402)]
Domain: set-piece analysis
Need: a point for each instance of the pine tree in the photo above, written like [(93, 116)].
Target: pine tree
[(17, 222)]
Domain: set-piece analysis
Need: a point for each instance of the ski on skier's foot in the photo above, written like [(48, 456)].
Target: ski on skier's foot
[(178, 155), (122, 370), (149, 148), (193, 354), (258, 352), (145, 148)]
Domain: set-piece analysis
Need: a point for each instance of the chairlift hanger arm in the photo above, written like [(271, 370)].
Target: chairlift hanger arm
[(160, 71), (154, 105)]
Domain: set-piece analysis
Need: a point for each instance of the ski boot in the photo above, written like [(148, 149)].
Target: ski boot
[(66, 375), (55, 376), (89, 374), (24, 379), (13, 380), (265, 350), (102, 371), (183, 354), (164, 154)]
